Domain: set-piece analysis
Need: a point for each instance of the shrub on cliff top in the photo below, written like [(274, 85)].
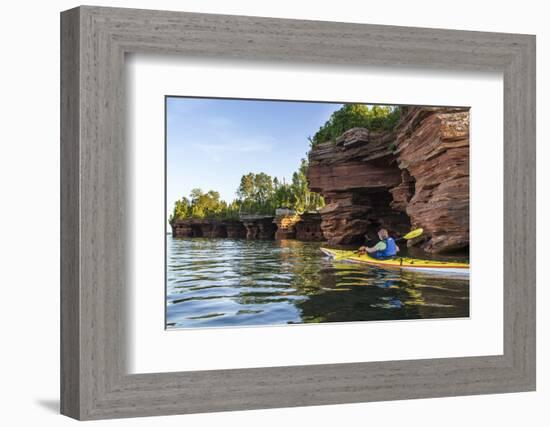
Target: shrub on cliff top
[(349, 116)]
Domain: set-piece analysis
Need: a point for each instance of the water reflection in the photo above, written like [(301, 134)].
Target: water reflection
[(224, 282)]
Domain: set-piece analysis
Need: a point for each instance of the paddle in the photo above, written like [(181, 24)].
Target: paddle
[(410, 235)]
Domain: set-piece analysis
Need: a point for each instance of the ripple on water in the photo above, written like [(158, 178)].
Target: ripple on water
[(225, 282)]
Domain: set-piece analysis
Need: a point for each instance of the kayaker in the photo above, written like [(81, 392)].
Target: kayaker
[(386, 248)]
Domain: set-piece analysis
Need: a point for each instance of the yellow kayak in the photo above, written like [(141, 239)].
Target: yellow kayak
[(403, 263)]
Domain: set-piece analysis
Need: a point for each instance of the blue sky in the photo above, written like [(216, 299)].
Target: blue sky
[(211, 143)]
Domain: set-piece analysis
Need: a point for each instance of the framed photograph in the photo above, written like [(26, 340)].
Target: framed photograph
[(261, 213), (322, 237)]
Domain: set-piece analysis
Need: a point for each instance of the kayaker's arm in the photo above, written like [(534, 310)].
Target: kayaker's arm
[(380, 246), (364, 249)]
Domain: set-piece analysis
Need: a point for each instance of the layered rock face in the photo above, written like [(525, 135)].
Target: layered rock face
[(208, 228), (191, 228), (308, 229), (415, 176), (305, 227), (433, 146), (235, 230), (182, 229), (355, 175), (259, 228), (286, 226)]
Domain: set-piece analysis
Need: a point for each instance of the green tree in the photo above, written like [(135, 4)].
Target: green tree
[(303, 199), (246, 188), (283, 196), (263, 185), (375, 118), (181, 210)]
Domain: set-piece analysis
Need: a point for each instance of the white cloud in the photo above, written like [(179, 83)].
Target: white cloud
[(235, 145)]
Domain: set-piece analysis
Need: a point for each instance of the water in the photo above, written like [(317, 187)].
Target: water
[(225, 282)]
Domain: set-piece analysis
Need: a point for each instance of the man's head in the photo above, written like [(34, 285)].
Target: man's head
[(383, 234)]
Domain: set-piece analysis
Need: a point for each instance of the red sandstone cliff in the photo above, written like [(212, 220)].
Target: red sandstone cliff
[(308, 229), (433, 146), (355, 176), (259, 227), (416, 176), (305, 227), (196, 227)]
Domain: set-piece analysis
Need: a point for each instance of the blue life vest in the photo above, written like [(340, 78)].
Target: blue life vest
[(391, 249)]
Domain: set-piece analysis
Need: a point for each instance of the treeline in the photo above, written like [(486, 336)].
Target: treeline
[(204, 205), (349, 116), (257, 194)]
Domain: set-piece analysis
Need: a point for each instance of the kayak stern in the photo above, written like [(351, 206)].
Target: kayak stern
[(401, 263)]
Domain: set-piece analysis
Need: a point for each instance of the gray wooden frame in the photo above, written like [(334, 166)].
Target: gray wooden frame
[(94, 382)]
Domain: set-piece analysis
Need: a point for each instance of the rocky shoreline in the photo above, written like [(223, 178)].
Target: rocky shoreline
[(195, 227), (305, 227)]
